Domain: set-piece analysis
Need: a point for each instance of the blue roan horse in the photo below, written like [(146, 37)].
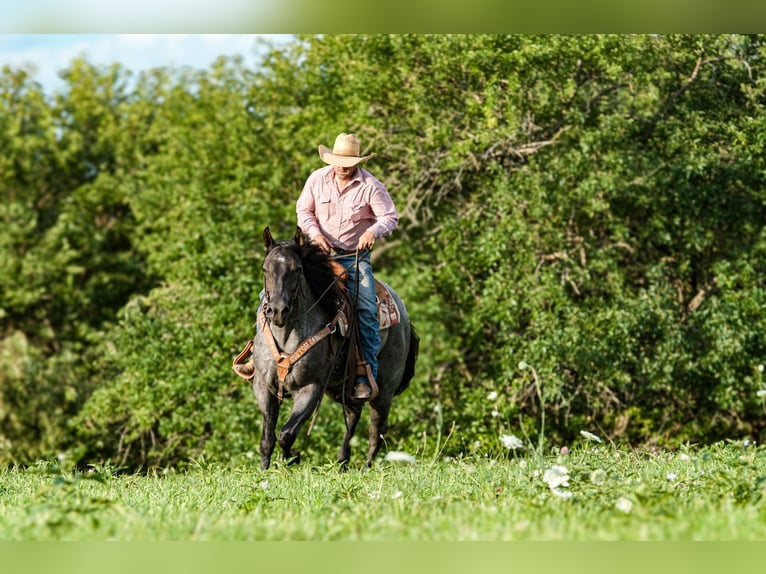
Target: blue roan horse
[(299, 349)]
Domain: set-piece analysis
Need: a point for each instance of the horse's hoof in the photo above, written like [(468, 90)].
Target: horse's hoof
[(294, 458)]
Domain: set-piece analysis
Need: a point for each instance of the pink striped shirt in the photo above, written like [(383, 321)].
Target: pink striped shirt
[(342, 216)]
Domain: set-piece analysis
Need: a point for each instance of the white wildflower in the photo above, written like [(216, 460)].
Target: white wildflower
[(495, 413), (760, 394), (523, 365), (397, 494), (561, 493), (684, 457), (598, 476), (590, 436), (399, 456), (492, 396), (671, 476), (623, 505), (511, 441), (264, 484), (760, 368), (556, 476)]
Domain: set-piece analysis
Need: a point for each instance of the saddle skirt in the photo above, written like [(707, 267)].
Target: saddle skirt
[(388, 312)]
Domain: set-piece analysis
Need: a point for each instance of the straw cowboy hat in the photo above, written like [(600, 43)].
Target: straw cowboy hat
[(345, 152)]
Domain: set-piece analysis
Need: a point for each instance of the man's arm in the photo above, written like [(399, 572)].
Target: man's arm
[(384, 210), (305, 210)]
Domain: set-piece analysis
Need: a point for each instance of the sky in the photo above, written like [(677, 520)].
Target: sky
[(47, 54), (63, 16)]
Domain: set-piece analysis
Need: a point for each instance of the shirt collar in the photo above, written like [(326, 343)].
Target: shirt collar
[(329, 174)]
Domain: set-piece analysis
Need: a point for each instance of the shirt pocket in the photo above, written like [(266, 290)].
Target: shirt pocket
[(324, 206), (361, 213)]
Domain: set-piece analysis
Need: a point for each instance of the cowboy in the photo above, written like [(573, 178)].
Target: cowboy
[(344, 209)]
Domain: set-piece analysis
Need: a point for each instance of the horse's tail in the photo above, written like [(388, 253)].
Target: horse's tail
[(409, 365)]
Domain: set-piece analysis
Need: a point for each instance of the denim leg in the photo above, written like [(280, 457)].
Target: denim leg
[(367, 309)]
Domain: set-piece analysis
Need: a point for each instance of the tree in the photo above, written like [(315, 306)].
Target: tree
[(581, 235)]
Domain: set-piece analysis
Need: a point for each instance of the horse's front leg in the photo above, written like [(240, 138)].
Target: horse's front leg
[(269, 407), (305, 401), (352, 412)]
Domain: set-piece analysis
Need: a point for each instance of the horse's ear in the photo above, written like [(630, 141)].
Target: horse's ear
[(300, 237), (268, 240)]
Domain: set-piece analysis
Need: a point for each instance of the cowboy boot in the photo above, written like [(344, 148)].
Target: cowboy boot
[(362, 389), (362, 383)]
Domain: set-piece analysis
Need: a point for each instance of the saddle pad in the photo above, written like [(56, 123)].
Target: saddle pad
[(388, 312)]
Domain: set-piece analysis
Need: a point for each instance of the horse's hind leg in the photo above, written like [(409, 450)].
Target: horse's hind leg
[(378, 427), (352, 412), (304, 402)]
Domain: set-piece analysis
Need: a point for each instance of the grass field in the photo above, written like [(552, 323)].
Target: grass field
[(593, 492)]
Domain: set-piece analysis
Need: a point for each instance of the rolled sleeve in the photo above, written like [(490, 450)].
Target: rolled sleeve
[(384, 210)]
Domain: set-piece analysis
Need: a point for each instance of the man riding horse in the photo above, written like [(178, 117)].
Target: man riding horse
[(343, 209)]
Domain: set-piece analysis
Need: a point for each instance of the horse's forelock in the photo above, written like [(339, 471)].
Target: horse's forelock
[(280, 247)]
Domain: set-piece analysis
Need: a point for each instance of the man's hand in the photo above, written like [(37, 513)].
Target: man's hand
[(366, 241), (322, 242)]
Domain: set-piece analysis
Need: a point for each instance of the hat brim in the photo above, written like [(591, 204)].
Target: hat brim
[(341, 160)]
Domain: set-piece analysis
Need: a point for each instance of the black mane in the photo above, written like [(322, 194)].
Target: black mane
[(319, 272)]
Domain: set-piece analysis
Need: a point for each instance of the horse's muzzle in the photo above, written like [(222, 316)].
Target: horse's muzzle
[(278, 316)]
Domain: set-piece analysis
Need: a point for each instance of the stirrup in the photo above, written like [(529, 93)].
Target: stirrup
[(244, 370)]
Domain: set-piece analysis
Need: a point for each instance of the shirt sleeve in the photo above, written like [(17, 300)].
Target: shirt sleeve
[(306, 209), (384, 210)]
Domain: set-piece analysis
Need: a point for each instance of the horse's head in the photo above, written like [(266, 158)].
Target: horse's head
[(287, 264), (283, 276)]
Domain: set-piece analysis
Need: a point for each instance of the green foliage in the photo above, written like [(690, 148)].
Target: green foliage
[(582, 233), (594, 492)]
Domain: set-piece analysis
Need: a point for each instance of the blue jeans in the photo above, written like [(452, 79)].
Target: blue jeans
[(367, 309)]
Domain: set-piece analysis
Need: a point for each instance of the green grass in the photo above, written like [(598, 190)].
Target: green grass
[(711, 493)]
